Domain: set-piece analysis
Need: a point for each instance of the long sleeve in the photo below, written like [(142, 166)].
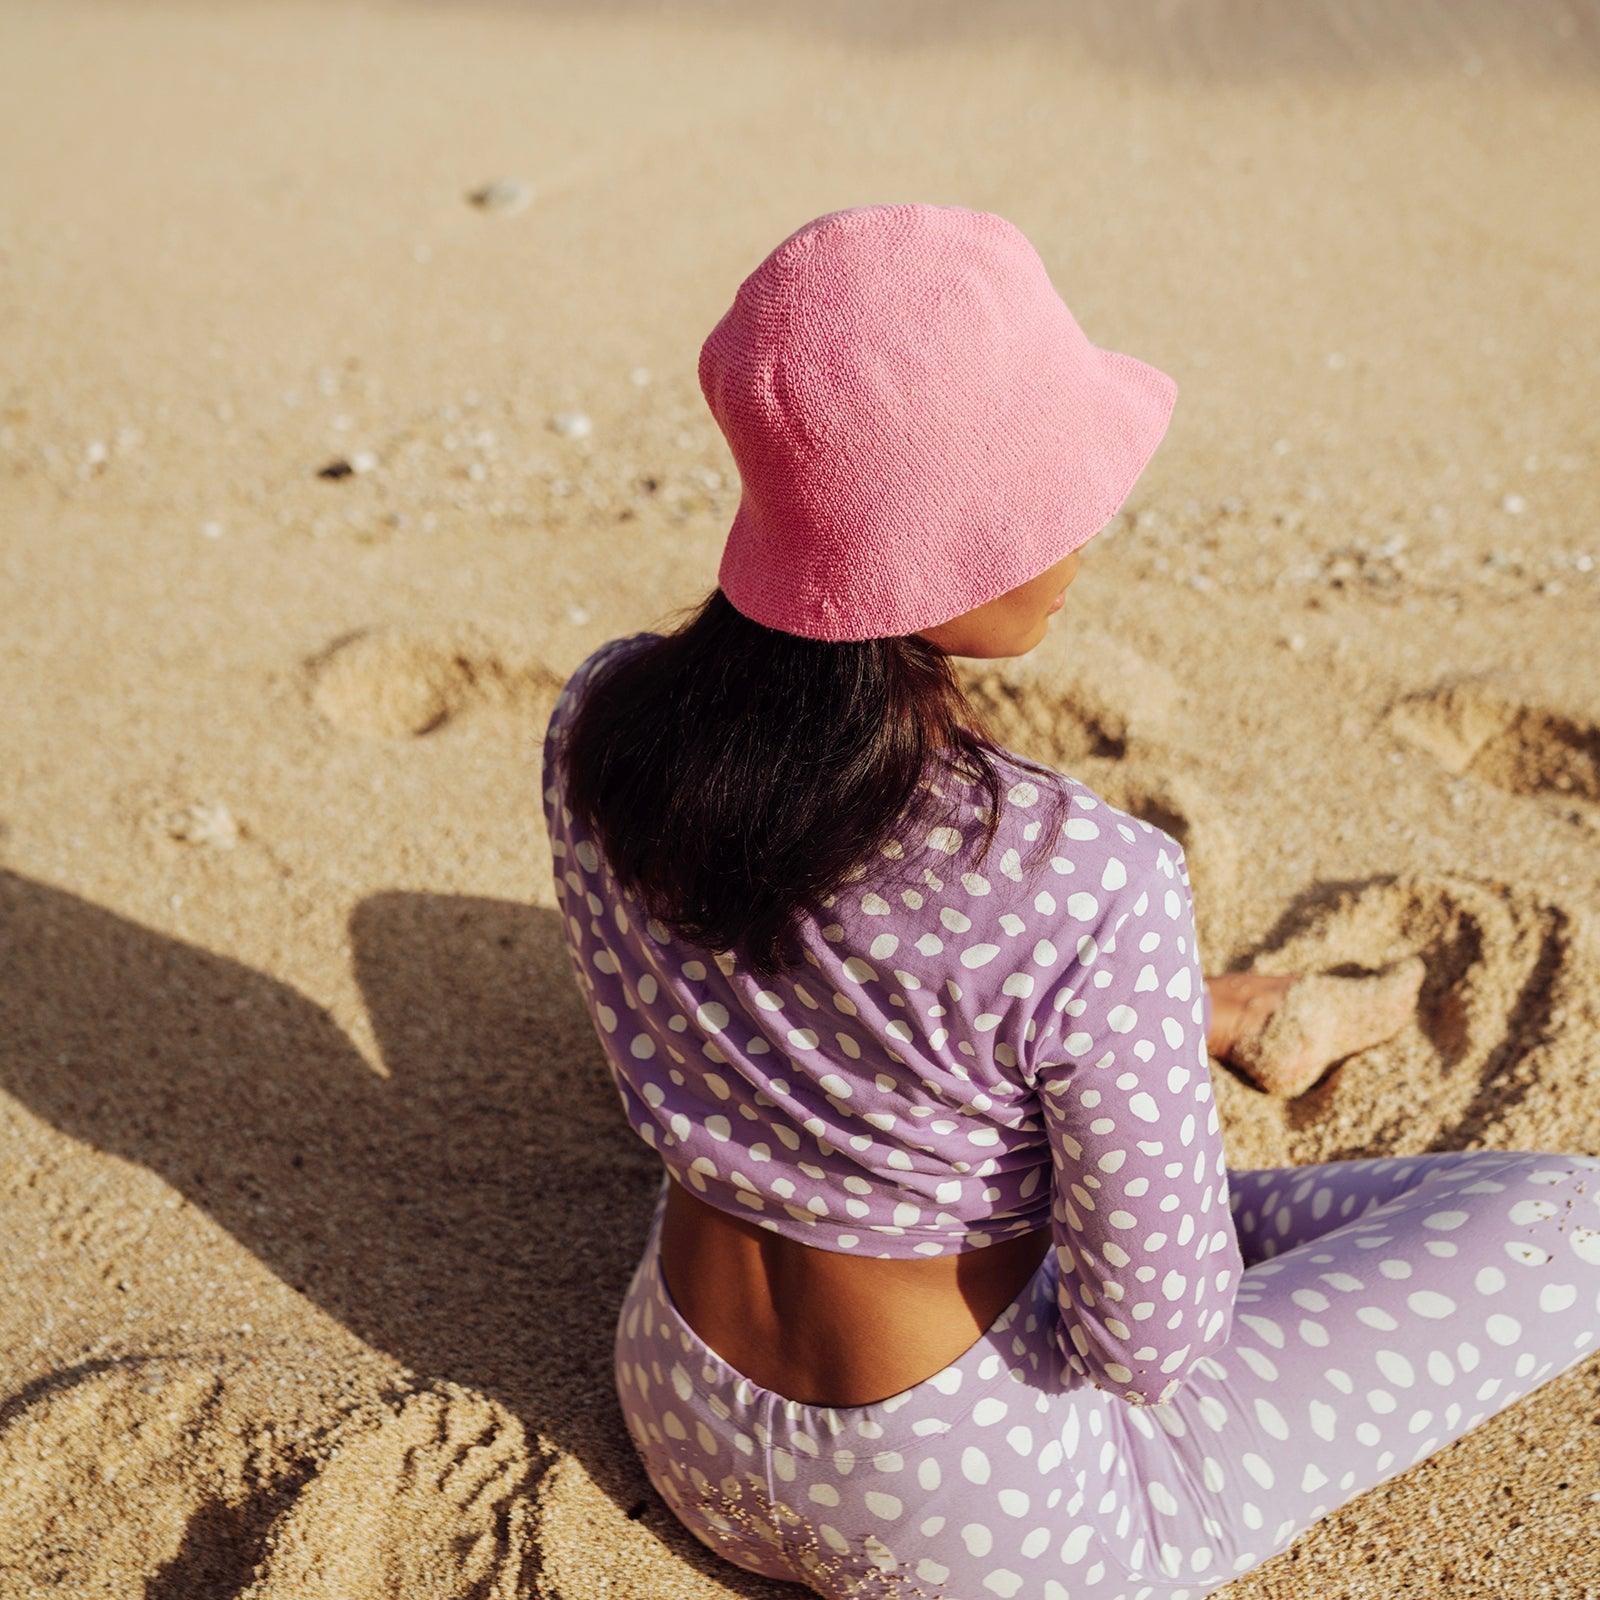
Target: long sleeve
[(1144, 1238)]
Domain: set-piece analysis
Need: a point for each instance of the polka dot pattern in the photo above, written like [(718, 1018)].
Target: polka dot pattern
[(912, 1087), (1009, 1472), (1207, 1362)]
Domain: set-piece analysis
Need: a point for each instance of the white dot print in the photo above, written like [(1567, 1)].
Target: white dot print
[(1207, 1361)]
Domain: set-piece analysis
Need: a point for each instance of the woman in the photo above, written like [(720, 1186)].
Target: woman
[(949, 1290)]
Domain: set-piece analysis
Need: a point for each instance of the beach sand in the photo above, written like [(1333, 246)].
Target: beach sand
[(316, 1200)]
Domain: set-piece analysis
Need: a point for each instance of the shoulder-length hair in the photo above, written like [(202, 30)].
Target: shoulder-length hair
[(736, 777)]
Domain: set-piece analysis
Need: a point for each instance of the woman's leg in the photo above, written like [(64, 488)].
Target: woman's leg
[(1459, 1282), (1277, 1208)]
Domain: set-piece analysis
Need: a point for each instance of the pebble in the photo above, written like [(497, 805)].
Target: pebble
[(363, 461), (505, 195), (639, 376), (212, 530), (1514, 503), (572, 424), (339, 468), (204, 823), (577, 615)]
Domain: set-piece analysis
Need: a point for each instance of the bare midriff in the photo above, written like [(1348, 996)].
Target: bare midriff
[(825, 1327)]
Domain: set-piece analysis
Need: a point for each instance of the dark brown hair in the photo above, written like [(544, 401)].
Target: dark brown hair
[(735, 777)]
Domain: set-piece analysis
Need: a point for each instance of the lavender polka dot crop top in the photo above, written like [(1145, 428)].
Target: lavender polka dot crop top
[(980, 1055)]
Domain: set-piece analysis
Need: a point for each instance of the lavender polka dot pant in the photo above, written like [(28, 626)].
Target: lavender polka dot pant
[(1389, 1305)]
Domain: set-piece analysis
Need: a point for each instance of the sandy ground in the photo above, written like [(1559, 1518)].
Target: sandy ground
[(315, 1200)]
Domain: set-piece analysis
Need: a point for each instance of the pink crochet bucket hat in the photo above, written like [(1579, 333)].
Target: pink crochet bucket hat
[(918, 421)]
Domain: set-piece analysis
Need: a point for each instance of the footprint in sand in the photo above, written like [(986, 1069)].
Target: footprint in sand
[(397, 684), (1507, 1017), (1102, 717), (435, 1500), (251, 1479), (1481, 728), (1060, 709)]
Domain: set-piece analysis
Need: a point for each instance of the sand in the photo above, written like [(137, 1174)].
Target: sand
[(316, 1200)]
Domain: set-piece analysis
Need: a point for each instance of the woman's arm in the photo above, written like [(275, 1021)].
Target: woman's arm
[(1148, 1254)]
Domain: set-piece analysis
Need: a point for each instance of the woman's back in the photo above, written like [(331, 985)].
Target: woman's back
[(954, 1037)]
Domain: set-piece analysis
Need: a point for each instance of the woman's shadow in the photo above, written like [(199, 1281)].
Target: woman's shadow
[(476, 1213)]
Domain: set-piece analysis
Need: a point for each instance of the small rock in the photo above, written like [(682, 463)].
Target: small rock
[(339, 468), (1514, 503), (572, 424), (505, 195), (577, 615), (639, 376), (211, 530), (204, 823), (363, 461), (1335, 359)]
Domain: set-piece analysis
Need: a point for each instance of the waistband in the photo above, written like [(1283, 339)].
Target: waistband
[(1013, 1363)]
